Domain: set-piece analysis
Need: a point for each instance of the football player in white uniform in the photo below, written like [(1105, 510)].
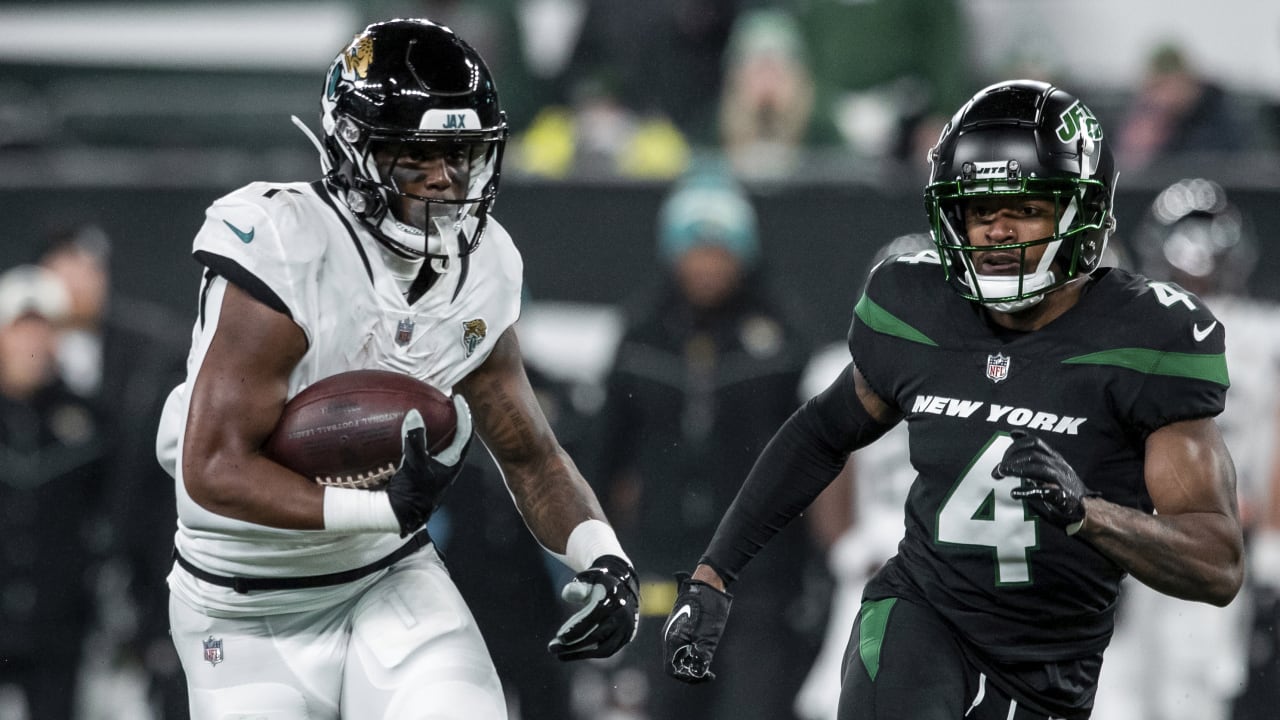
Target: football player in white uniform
[(290, 599), (1171, 659)]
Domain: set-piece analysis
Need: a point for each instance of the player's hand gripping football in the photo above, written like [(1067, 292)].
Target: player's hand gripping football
[(1049, 484), (610, 597), (417, 487), (692, 632)]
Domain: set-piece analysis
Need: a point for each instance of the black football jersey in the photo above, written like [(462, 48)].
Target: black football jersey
[(1131, 356)]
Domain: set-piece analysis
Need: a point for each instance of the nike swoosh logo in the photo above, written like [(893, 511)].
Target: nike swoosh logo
[(245, 237), (686, 611), (1199, 334)]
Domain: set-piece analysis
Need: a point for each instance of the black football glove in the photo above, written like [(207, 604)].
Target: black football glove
[(610, 596), (416, 488), (693, 630), (1049, 484)]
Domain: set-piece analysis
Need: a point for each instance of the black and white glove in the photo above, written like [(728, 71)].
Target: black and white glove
[(1049, 484), (610, 596), (418, 485), (692, 632)]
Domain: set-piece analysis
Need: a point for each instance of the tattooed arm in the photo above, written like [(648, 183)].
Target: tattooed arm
[(548, 489)]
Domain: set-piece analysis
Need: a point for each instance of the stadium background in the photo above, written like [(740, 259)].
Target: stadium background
[(137, 115)]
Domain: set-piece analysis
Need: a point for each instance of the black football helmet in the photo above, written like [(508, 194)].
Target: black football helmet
[(1022, 137), (407, 87), (1193, 234)]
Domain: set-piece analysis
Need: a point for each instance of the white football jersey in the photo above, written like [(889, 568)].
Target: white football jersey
[(293, 246)]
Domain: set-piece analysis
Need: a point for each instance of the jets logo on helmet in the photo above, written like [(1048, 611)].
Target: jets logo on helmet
[(1078, 120)]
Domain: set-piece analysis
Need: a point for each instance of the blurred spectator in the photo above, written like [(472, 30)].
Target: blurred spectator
[(51, 480), (1177, 110), (1261, 693), (1171, 659), (640, 88), (597, 135), (657, 58), (767, 104), (889, 72), (700, 376), (122, 355)]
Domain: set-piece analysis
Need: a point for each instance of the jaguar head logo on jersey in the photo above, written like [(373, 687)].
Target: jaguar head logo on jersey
[(473, 333), (213, 650), (997, 367)]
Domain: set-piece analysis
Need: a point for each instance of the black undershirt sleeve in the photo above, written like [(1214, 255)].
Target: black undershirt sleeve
[(801, 460)]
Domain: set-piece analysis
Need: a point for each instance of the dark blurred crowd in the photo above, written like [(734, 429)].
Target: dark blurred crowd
[(805, 89), (595, 87), (711, 361)]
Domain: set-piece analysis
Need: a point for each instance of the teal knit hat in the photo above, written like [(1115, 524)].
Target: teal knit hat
[(708, 210)]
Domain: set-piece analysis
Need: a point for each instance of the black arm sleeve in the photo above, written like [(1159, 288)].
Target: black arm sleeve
[(803, 457)]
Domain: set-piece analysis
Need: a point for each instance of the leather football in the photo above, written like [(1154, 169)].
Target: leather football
[(345, 429)]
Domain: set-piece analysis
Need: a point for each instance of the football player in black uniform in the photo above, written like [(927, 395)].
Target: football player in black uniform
[(1061, 420)]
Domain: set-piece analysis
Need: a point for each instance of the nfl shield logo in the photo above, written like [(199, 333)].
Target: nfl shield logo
[(213, 650), (404, 332), (997, 367)]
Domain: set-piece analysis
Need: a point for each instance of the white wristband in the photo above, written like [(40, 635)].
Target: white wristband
[(355, 510), (588, 541)]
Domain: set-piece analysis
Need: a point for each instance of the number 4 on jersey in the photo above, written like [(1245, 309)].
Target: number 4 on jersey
[(979, 511)]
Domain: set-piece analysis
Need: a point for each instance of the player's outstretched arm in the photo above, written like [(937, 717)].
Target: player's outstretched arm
[(557, 504), (802, 458), (1193, 548)]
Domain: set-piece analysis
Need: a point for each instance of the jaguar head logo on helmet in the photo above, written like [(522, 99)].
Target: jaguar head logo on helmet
[(1022, 138), (413, 138)]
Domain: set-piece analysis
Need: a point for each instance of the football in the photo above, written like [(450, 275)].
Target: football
[(345, 429)]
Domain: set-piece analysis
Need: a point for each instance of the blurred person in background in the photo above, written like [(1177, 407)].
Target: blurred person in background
[(1179, 110), (52, 482), (658, 59), (888, 72), (639, 91), (1171, 659), (767, 103), (702, 374), (122, 354)]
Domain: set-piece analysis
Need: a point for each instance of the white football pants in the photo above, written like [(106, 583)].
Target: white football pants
[(406, 649)]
